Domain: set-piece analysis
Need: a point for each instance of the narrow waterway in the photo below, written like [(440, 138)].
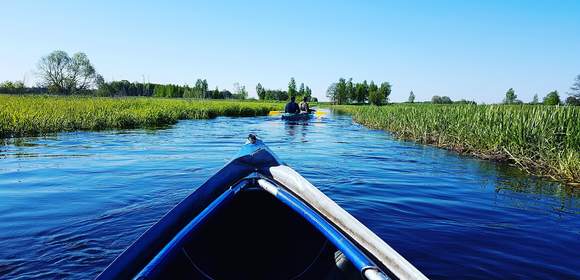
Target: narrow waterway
[(70, 203)]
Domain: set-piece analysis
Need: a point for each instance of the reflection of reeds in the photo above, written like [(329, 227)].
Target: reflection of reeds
[(542, 140), (36, 115)]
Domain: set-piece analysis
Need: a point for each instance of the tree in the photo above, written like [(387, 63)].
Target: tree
[(301, 90), (292, 87), (553, 98), (385, 92), (573, 101), (510, 97), (240, 91), (351, 90), (575, 88), (375, 96), (341, 92), (411, 97), (331, 93), (436, 99), (260, 91), (61, 73), (535, 99), (12, 87), (216, 94), (361, 92), (308, 92)]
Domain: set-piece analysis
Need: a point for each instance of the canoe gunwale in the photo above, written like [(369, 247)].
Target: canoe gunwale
[(357, 257), (367, 240)]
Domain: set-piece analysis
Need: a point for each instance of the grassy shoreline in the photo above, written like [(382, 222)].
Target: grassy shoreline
[(38, 115), (541, 140)]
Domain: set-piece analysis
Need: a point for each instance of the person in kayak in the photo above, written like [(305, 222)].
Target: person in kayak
[(304, 108), (292, 107)]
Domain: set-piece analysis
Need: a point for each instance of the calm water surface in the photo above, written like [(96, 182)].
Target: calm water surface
[(69, 204)]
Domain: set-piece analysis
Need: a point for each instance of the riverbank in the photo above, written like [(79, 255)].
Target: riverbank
[(541, 140), (37, 115)]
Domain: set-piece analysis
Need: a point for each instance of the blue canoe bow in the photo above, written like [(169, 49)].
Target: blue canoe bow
[(257, 218)]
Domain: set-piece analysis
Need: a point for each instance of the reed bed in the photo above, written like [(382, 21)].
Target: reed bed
[(542, 140), (37, 115)]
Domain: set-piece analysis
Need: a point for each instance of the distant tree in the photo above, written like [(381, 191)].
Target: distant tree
[(260, 91), (301, 90), (240, 91), (332, 93), (385, 92), (16, 87), (411, 97), (291, 87), (553, 98), (341, 92), (216, 94), (573, 101), (575, 88), (363, 95), (535, 100), (375, 97), (510, 96), (308, 92), (436, 99), (463, 101), (61, 73), (351, 90)]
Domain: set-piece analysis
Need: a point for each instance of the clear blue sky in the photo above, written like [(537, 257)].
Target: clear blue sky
[(464, 49)]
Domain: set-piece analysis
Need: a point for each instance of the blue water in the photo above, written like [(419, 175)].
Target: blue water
[(70, 203)]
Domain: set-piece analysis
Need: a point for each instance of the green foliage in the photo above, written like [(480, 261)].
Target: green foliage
[(375, 97), (553, 98), (535, 100), (240, 92), (16, 87), (37, 115), (573, 101), (575, 88), (63, 74), (510, 96), (291, 87), (347, 92), (260, 91), (543, 140), (436, 99), (411, 97)]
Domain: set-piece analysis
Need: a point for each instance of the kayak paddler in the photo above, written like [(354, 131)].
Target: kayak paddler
[(292, 107)]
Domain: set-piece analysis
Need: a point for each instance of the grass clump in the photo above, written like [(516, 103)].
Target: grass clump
[(542, 140), (37, 115)]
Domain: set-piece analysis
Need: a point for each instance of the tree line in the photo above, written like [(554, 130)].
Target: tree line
[(347, 92), (552, 98), (284, 95)]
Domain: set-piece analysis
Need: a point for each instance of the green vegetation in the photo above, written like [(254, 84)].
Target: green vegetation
[(347, 92), (542, 140), (37, 115), (553, 98)]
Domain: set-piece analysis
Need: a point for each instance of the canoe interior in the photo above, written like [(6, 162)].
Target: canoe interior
[(254, 236)]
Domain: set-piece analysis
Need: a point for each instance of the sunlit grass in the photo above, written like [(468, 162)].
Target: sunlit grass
[(36, 115), (543, 140)]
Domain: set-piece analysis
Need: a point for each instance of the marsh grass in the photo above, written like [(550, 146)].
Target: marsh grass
[(542, 140), (37, 115)]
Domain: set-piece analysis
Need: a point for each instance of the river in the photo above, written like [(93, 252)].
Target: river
[(71, 202)]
